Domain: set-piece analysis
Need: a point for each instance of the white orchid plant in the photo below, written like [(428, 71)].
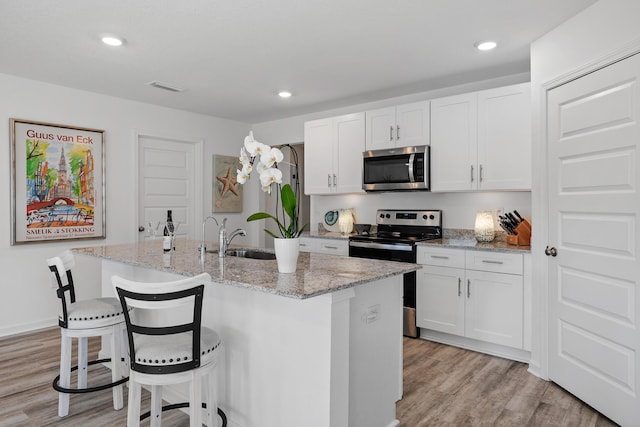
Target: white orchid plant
[(267, 166)]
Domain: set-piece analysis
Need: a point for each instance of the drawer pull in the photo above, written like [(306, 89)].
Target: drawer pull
[(439, 257), (468, 288), (490, 261), (330, 247), (459, 289)]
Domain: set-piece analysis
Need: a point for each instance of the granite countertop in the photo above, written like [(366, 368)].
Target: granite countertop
[(464, 239), (317, 274), (327, 235), (453, 238), (471, 243)]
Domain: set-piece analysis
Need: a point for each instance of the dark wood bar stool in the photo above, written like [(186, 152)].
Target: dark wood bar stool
[(81, 320)]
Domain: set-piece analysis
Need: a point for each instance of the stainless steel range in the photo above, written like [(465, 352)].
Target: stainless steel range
[(397, 234)]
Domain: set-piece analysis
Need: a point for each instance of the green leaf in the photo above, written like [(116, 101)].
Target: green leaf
[(288, 201)]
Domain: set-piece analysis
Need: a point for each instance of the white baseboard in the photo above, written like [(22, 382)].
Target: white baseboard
[(475, 345), (394, 423), (27, 327)]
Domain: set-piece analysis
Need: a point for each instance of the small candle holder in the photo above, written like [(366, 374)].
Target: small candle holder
[(484, 230), (345, 221)]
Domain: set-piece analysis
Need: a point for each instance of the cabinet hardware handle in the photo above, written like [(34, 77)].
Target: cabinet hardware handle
[(480, 173), (390, 133), (330, 247), (335, 180), (468, 288), (439, 257), (489, 261), (459, 289), (328, 180), (551, 251), (471, 173), (397, 132)]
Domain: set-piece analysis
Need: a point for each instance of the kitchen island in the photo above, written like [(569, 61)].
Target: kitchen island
[(319, 347)]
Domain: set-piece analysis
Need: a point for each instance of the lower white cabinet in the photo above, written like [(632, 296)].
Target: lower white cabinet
[(324, 246), (478, 295)]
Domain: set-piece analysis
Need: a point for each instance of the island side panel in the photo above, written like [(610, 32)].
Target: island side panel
[(376, 353), (286, 360)]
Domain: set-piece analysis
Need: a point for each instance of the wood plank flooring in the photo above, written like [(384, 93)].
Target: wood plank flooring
[(447, 386), (443, 386)]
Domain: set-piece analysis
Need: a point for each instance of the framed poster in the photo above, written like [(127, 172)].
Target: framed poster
[(57, 182), (227, 193)]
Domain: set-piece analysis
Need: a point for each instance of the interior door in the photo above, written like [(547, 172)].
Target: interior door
[(167, 180), (594, 268)]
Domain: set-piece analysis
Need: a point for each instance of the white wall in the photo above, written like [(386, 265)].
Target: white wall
[(27, 301), (459, 208), (597, 35)]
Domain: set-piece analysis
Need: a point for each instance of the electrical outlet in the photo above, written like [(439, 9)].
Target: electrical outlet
[(372, 313)]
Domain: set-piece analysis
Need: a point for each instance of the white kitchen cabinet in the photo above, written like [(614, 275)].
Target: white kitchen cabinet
[(333, 155), (400, 126), (324, 246), (472, 294), (482, 140)]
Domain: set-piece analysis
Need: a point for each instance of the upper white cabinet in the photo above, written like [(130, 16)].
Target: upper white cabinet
[(482, 140), (333, 154), (401, 126)]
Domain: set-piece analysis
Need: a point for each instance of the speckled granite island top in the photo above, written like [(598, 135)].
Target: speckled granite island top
[(317, 274)]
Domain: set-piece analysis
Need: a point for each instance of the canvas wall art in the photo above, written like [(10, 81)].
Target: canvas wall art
[(57, 182), (227, 193)]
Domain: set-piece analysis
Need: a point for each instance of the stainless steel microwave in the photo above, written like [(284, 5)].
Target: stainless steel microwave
[(405, 168)]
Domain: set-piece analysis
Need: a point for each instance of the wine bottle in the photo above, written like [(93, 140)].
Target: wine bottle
[(168, 227), (167, 242)]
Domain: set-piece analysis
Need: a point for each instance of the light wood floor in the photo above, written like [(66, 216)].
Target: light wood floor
[(447, 386), (443, 386)]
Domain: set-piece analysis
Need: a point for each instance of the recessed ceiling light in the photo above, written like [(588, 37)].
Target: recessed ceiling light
[(284, 94), (488, 45), (112, 40)]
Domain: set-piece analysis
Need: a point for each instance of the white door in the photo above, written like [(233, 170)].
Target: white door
[(167, 179), (594, 264), (493, 309), (318, 156), (412, 124), (454, 143), (504, 138), (348, 155), (381, 128), (440, 299)]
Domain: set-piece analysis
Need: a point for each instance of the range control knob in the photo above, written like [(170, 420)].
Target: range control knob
[(424, 217), (381, 215), (431, 216), (388, 215)]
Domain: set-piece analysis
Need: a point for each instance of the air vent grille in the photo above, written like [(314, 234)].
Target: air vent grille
[(165, 86)]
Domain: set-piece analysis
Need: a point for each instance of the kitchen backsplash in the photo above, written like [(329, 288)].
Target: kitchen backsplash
[(459, 209)]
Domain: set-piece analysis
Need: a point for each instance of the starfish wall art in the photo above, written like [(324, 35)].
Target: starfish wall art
[(227, 193)]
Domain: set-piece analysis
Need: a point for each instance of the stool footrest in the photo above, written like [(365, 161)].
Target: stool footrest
[(223, 416), (59, 388)]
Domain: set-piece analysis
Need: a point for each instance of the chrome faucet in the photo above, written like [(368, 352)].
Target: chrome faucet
[(203, 247), (224, 241)]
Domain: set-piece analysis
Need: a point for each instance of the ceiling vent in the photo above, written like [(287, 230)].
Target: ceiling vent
[(165, 86)]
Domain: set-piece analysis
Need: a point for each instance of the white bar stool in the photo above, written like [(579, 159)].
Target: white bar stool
[(81, 320), (169, 345)]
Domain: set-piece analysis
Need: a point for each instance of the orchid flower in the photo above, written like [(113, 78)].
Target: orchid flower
[(267, 168), (272, 156), (269, 176)]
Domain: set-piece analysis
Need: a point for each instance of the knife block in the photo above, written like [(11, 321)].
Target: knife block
[(522, 236)]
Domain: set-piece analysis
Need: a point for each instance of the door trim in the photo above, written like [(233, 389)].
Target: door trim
[(198, 145), (539, 363)]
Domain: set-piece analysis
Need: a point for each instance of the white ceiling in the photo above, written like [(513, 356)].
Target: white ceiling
[(233, 56)]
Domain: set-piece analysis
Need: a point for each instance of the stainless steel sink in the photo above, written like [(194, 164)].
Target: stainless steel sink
[(251, 253)]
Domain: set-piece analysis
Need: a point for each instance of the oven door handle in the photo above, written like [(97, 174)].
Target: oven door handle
[(392, 247)]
